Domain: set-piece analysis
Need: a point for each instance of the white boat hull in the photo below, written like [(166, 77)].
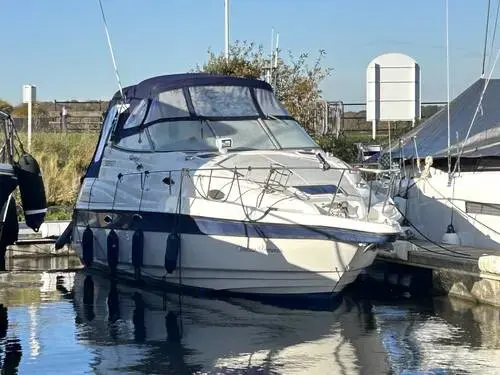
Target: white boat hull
[(470, 203), (247, 265)]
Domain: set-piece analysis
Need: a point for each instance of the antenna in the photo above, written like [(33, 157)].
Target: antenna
[(274, 68), (111, 51), (277, 44), (272, 44)]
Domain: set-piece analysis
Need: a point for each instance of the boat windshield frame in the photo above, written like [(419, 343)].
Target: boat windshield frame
[(269, 139)]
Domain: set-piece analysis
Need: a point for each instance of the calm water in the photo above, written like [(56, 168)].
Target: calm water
[(73, 323)]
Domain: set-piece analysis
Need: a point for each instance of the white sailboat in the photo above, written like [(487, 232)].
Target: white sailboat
[(450, 169)]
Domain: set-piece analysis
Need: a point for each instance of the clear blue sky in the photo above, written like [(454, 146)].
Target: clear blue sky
[(60, 46)]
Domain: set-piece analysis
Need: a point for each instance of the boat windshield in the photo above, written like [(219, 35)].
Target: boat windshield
[(201, 135)]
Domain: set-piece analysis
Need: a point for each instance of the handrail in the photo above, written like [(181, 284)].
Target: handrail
[(263, 183), (249, 168)]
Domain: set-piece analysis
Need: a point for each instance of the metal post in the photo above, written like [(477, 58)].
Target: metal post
[(226, 29), (374, 129), (29, 96), (64, 118), (30, 104), (390, 146)]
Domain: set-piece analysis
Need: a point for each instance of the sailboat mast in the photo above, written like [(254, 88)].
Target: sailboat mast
[(226, 29), (448, 88), (486, 37)]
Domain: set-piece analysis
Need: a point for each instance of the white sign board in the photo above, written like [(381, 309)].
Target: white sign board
[(393, 88), (29, 94)]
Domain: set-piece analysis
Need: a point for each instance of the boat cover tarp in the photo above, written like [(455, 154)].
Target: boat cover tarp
[(194, 96), (151, 87), (431, 137), (190, 98)]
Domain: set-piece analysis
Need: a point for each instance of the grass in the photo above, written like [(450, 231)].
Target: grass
[(63, 159)]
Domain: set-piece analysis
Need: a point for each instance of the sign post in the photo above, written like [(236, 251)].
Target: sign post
[(29, 96), (392, 89)]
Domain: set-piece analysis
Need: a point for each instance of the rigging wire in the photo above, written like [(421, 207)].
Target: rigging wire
[(461, 151), (485, 36), (457, 253), (458, 209), (479, 105), (488, 79), (111, 51)]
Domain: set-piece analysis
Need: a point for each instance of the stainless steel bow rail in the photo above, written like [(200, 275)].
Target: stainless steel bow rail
[(277, 179)]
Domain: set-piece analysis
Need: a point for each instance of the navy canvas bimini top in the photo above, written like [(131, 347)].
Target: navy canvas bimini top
[(155, 85), (194, 97)]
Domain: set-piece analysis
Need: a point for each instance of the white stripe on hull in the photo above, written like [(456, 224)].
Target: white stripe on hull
[(241, 264), (6, 169), (34, 212)]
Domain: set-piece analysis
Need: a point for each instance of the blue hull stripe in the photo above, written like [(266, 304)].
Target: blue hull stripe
[(170, 222)]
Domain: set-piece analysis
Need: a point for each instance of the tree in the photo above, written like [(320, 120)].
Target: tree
[(245, 60), (5, 106), (296, 84), (429, 110)]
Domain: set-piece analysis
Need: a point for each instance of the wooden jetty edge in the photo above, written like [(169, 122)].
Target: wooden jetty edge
[(460, 271), (38, 244)]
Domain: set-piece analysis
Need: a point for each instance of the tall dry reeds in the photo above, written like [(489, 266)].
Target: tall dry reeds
[(63, 159)]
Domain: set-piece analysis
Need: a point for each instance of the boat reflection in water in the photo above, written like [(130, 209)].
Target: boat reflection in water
[(185, 334), (66, 322), (10, 347)]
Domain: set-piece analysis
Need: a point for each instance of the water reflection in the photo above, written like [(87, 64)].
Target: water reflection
[(438, 335), (10, 347), (41, 263), (78, 323), (130, 329)]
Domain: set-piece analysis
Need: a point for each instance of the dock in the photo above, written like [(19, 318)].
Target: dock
[(422, 266), (32, 244)]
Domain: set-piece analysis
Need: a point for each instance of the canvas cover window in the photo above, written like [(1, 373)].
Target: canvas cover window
[(107, 126), (137, 115), (222, 101), (168, 104), (268, 103)]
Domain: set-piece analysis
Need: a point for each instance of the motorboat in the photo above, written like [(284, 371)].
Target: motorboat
[(207, 182)]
